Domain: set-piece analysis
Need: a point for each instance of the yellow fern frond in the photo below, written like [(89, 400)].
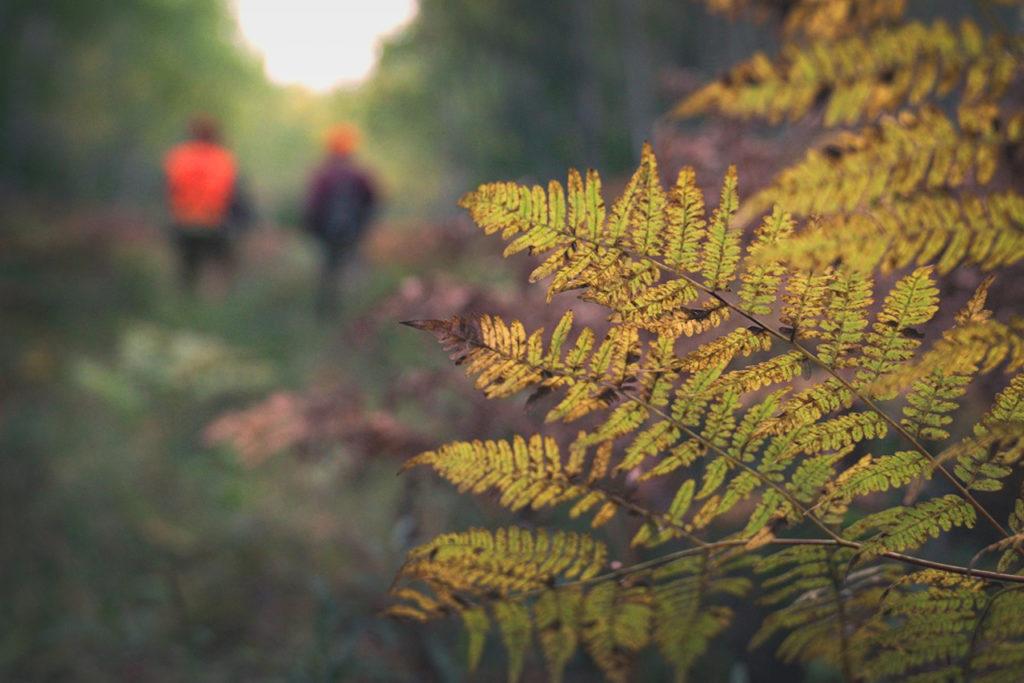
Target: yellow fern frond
[(624, 259), (898, 157), (475, 563), (861, 76), (895, 335), (982, 230), (527, 473)]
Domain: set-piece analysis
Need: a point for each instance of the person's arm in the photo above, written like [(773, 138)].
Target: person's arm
[(369, 192), (315, 201)]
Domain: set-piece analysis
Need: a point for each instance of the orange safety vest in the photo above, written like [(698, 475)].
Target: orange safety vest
[(200, 183)]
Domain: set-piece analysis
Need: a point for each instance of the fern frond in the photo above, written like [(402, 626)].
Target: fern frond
[(843, 325), (474, 564), (616, 624), (527, 473), (804, 301), (557, 614), (742, 341), (873, 474), (895, 335), (686, 617), (1011, 558), (929, 618), (997, 652), (899, 156), (810, 405), (987, 457), (837, 18), (722, 248), (505, 361), (814, 18), (686, 222), (838, 433), (822, 608), (976, 343), (901, 528), (775, 370), (861, 76), (619, 258), (761, 281), (973, 229)]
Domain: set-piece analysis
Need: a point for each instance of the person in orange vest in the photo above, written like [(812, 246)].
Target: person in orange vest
[(339, 206), (206, 201)]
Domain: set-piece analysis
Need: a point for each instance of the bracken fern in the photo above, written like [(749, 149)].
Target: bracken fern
[(767, 371)]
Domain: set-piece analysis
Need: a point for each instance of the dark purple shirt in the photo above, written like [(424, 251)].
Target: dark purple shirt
[(337, 176)]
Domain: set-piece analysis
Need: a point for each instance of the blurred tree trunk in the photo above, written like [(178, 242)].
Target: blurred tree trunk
[(589, 108), (637, 66)]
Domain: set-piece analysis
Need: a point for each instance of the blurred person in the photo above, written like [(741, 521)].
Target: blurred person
[(208, 206), (339, 206)]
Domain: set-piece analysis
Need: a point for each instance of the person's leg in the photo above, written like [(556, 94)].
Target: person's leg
[(327, 290), (221, 254), (188, 254)]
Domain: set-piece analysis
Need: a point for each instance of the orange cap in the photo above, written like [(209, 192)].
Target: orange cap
[(343, 138)]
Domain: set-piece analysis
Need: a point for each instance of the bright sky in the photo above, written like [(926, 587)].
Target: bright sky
[(320, 43)]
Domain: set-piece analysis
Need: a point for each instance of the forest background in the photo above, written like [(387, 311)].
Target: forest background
[(204, 489)]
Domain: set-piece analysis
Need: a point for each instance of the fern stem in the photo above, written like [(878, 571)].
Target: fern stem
[(661, 560), (663, 520)]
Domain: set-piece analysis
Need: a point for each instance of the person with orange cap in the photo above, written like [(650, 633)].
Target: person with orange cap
[(339, 205), (205, 199)]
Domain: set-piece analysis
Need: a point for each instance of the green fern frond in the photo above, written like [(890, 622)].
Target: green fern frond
[(842, 327), (925, 627), (838, 433), (686, 617), (616, 623), (873, 474), (902, 528), (822, 608), (895, 335), (557, 615), (997, 652), (477, 563), (722, 248), (987, 457)]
